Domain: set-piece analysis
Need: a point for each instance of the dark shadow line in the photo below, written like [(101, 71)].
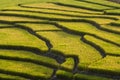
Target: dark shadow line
[(25, 75), (37, 62), (49, 45), (35, 50), (106, 73), (25, 48), (35, 17), (98, 48), (47, 30), (5, 78), (115, 24), (76, 62), (61, 14), (111, 54), (24, 6), (40, 17), (108, 41), (95, 25), (103, 54), (82, 33), (109, 30), (3, 27), (100, 4), (76, 6), (115, 1), (101, 73), (111, 13)]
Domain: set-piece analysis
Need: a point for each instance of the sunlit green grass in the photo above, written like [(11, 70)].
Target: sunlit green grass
[(68, 64), (28, 56), (88, 5), (110, 27), (88, 77), (40, 26), (103, 2), (8, 3), (4, 25), (19, 64), (59, 12), (15, 18), (90, 29), (69, 76), (19, 37), (11, 77), (101, 21), (39, 15), (116, 23), (114, 11), (58, 7), (109, 48), (71, 45), (25, 68), (109, 63)]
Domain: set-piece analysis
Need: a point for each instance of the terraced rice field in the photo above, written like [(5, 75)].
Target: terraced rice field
[(59, 40)]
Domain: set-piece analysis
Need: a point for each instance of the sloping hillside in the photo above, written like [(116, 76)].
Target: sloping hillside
[(59, 40)]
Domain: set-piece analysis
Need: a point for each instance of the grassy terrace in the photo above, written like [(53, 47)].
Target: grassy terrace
[(103, 3), (113, 28), (68, 64), (19, 37), (10, 77), (69, 76), (15, 18), (35, 15), (92, 30), (59, 40), (28, 57), (55, 7), (113, 12), (109, 48), (28, 70), (109, 63), (89, 6), (64, 13)]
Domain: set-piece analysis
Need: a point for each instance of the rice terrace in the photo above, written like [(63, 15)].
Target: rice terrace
[(60, 40)]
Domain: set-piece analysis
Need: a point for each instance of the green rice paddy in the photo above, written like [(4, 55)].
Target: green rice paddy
[(59, 40)]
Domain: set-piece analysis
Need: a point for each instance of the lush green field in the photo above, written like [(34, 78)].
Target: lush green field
[(59, 40)]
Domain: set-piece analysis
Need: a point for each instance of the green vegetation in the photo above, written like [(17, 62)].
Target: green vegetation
[(108, 47), (59, 39), (29, 70), (103, 2), (113, 12), (11, 77), (88, 77), (28, 56), (55, 7), (19, 37), (64, 75), (68, 64), (92, 30), (114, 28), (110, 64)]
